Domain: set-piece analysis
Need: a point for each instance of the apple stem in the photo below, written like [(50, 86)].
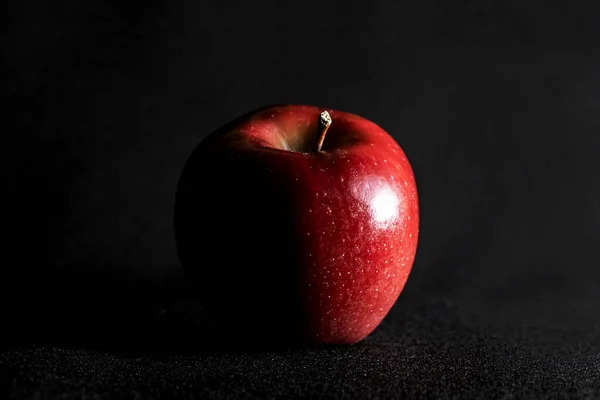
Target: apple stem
[(324, 123)]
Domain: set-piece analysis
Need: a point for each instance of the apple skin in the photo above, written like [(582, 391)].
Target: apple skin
[(284, 244)]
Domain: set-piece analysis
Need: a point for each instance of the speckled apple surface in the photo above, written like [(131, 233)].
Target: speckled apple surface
[(322, 241)]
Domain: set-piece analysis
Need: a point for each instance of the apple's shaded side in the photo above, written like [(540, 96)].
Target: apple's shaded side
[(236, 243), (283, 243)]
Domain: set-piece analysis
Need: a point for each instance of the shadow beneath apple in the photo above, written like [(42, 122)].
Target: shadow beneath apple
[(98, 312)]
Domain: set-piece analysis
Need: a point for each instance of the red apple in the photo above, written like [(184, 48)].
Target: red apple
[(289, 231)]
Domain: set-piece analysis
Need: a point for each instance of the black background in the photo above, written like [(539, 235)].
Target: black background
[(496, 104)]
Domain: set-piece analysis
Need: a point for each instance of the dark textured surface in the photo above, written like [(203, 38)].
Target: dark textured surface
[(495, 103), (437, 353)]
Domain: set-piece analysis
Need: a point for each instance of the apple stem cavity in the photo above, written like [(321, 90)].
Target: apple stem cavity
[(324, 123)]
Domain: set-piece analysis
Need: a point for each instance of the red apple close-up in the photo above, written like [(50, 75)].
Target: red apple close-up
[(298, 224)]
